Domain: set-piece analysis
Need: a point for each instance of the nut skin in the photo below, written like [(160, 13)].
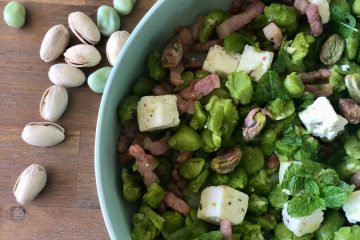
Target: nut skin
[(54, 43), (30, 183), (350, 110), (84, 28), (227, 161), (43, 134)]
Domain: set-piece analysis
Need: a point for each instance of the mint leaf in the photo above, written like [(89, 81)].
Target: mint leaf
[(336, 196), (311, 188), (304, 205), (296, 185), (291, 136), (283, 59), (269, 88)]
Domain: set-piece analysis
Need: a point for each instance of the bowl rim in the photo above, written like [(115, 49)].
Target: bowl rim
[(105, 210)]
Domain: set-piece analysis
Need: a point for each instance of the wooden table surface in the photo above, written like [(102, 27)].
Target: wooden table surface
[(68, 207)]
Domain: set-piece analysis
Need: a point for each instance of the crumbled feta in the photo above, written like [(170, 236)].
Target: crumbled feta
[(302, 225), (352, 207), (324, 9), (222, 202), (321, 119), (345, 67), (220, 62), (157, 112), (254, 62)]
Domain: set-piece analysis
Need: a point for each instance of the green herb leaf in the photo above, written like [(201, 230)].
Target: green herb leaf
[(336, 196), (284, 58), (311, 188), (296, 185), (304, 205), (269, 88)]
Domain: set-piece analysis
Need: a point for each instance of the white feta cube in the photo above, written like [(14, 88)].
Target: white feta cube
[(222, 202), (220, 62), (254, 62), (303, 225), (324, 9), (321, 119), (352, 207), (157, 112)]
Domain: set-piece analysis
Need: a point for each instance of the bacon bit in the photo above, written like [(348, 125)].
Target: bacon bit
[(320, 90), (235, 7), (176, 203), (200, 88), (206, 46), (194, 64), (160, 90), (185, 106), (225, 228), (314, 19), (145, 164), (236, 22), (301, 6), (172, 53), (158, 147), (312, 77), (273, 33), (184, 34), (175, 75)]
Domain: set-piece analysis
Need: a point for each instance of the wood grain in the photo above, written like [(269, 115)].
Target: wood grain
[(68, 208)]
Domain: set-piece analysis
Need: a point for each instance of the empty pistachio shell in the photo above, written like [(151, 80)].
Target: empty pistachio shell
[(84, 28), (54, 43), (115, 44), (43, 134), (30, 183), (97, 80), (82, 55), (66, 75), (53, 103)]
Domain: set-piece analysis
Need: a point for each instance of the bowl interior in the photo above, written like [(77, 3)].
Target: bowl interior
[(152, 33)]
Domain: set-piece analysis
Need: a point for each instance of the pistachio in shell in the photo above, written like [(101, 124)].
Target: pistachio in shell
[(43, 134), (84, 28), (114, 45), (53, 103), (54, 43), (254, 122), (350, 110), (66, 75), (332, 49), (352, 83), (227, 161), (172, 53), (82, 55)]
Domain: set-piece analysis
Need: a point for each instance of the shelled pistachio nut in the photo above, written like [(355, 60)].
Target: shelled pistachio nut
[(53, 103), (30, 183), (115, 44), (82, 55), (54, 43), (66, 75), (43, 134), (84, 28), (352, 83)]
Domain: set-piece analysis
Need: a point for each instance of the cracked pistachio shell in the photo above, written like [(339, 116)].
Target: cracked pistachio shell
[(114, 45), (84, 28), (66, 75), (53, 103), (226, 162), (54, 43), (82, 55), (352, 83), (30, 183), (43, 134)]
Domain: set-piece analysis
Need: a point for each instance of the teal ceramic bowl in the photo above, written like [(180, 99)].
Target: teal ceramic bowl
[(152, 33)]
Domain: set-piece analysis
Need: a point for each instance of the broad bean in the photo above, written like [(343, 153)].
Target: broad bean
[(198, 121), (240, 87), (192, 221), (347, 167), (154, 195), (173, 221), (266, 223), (217, 179), (252, 160), (127, 109), (294, 85), (124, 7), (211, 141), (352, 45), (108, 20), (282, 15), (278, 198), (258, 205), (187, 77), (260, 183), (143, 86), (356, 7), (234, 43), (192, 167), (155, 68), (195, 184), (185, 139), (280, 109), (131, 190), (98, 79), (333, 221), (238, 179), (200, 74), (14, 14), (212, 20), (352, 147)]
